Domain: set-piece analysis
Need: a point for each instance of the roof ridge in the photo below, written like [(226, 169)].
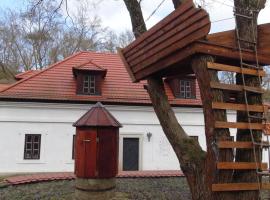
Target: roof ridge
[(23, 73), (48, 68), (100, 52)]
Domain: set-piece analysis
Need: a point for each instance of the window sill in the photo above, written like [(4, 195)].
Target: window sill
[(72, 162), (186, 98), (31, 162), (79, 94)]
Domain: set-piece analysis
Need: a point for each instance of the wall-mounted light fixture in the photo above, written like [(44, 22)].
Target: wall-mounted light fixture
[(149, 135)]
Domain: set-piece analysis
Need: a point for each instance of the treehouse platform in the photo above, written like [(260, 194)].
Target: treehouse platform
[(167, 48)]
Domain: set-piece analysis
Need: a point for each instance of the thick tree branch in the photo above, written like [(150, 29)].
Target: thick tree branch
[(136, 16), (177, 3), (188, 151)]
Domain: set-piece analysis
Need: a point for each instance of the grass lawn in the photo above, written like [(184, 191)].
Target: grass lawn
[(174, 188)]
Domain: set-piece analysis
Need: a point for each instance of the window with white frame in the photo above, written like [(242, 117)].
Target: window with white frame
[(185, 89), (89, 84), (32, 146)]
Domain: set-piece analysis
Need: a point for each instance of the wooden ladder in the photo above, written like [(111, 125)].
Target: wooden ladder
[(259, 166)]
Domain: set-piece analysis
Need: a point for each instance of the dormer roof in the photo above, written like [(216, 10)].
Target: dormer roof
[(89, 66)]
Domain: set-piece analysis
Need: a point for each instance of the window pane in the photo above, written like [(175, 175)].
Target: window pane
[(28, 155), (92, 91), (28, 146), (85, 90), (182, 94), (28, 138), (182, 82), (36, 146), (35, 154), (188, 94), (36, 138), (86, 78)]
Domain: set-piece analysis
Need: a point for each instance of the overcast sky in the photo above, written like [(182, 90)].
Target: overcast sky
[(113, 13)]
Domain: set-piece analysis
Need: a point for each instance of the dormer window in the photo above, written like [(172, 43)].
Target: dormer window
[(89, 84), (89, 77), (183, 87)]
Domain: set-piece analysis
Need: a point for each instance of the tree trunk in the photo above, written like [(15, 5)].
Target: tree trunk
[(247, 30), (189, 153), (199, 167), (214, 155)]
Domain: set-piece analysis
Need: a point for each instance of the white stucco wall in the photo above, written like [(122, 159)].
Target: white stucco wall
[(54, 122)]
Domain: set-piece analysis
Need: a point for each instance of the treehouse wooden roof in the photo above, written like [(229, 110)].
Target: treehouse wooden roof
[(167, 47)]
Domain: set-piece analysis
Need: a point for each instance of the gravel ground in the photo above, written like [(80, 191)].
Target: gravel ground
[(129, 189)]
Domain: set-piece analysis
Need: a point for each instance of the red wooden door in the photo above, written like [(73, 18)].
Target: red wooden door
[(86, 146), (107, 152)]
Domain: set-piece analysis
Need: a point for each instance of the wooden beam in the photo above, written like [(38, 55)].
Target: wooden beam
[(239, 125), (168, 38), (164, 33), (227, 52), (237, 88), (228, 38), (163, 23), (239, 145), (236, 69), (185, 39), (241, 165), (240, 107), (163, 64), (231, 144), (265, 186), (266, 130), (226, 187)]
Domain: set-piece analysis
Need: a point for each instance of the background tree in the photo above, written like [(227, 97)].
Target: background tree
[(45, 33)]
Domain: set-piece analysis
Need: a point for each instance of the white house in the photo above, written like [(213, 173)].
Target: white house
[(37, 113)]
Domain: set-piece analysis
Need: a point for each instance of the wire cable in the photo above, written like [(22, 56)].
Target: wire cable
[(154, 11), (221, 20)]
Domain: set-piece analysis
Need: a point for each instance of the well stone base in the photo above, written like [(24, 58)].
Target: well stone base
[(87, 195), (96, 189)]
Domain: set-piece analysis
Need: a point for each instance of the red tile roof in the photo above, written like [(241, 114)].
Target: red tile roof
[(26, 74), (39, 177), (57, 83), (4, 86)]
